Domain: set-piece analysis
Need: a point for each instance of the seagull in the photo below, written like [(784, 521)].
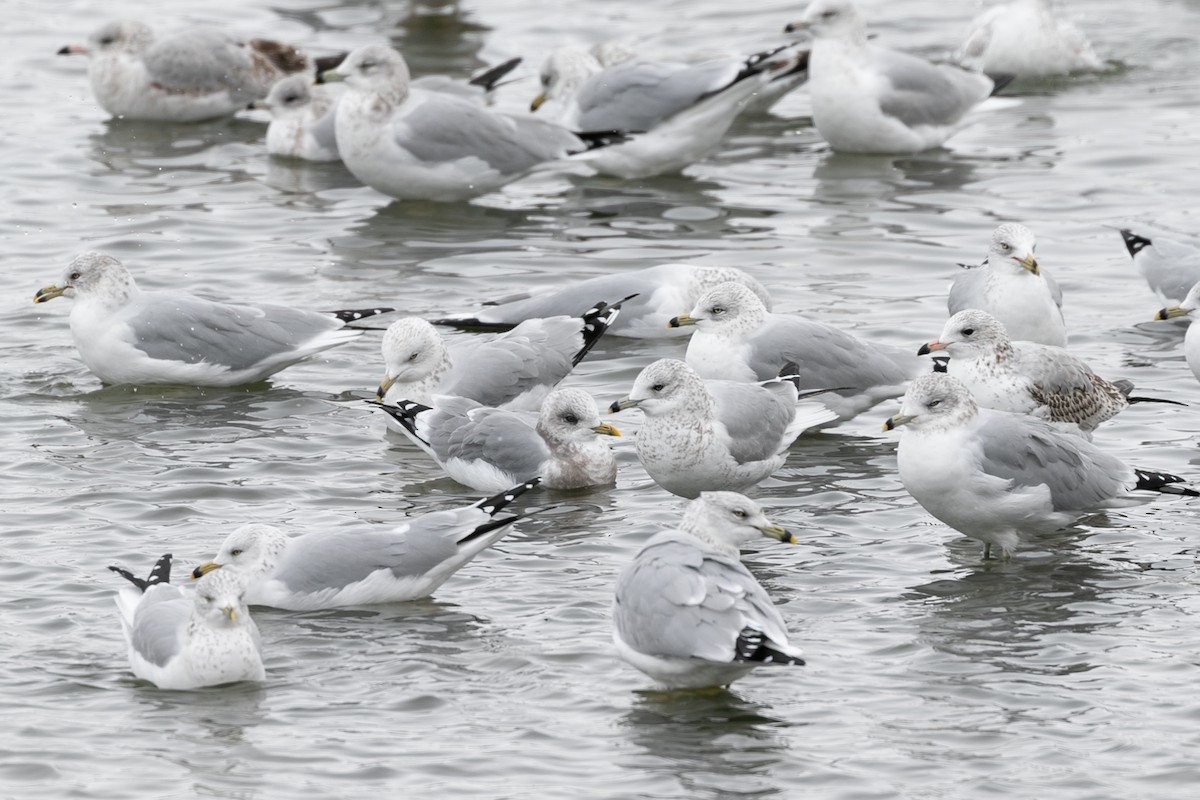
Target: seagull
[(197, 74), (997, 476), (687, 612), (1170, 267), (707, 435), (738, 339), (1011, 286), (337, 568), (485, 448), (187, 640), (514, 370), (415, 144), (869, 99), (1027, 377), (125, 335), (657, 292), (1191, 341), (1023, 39)]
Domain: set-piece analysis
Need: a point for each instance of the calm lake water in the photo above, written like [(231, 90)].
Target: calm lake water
[(1067, 672)]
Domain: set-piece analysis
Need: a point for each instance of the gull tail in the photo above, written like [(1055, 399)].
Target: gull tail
[(161, 573), (596, 321), (1134, 243), (752, 645), (489, 79), (493, 505), (1162, 482)]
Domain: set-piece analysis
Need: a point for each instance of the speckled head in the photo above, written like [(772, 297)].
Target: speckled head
[(119, 36), (1013, 243), (730, 308), (251, 551), (93, 276), (970, 334), (570, 415), (374, 69), (413, 350), (220, 599), (727, 520), (667, 386), (563, 72), (289, 95), (934, 402)]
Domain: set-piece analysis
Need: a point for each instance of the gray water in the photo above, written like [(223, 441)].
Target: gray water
[(1068, 672)]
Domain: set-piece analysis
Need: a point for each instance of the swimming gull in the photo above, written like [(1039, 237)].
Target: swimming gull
[(486, 448), (1027, 377), (1171, 268), (1025, 40), (188, 639), (708, 435), (196, 74), (660, 292), (1191, 341), (1011, 286), (126, 335), (738, 339), (686, 610), (514, 370), (412, 143), (332, 569), (869, 99), (997, 476)]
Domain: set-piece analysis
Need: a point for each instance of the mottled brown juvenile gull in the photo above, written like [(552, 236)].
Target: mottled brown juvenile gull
[(997, 476), (515, 370), (1171, 268), (186, 640), (195, 74), (125, 335), (687, 612), (703, 436), (1011, 286), (490, 448), (738, 338), (332, 569)]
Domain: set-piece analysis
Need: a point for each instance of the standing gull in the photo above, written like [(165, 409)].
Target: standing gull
[(706, 435), (515, 370), (415, 144), (869, 99), (659, 292), (125, 335), (737, 338), (197, 74), (490, 448), (1011, 286), (1171, 268), (1026, 377), (1191, 341), (332, 569), (997, 476), (687, 612), (186, 640), (1023, 39)]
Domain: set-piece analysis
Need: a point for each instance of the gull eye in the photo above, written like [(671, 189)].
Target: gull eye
[(236, 552), (106, 40), (1005, 246), (828, 14), (366, 65), (737, 512), (75, 276), (658, 387), (934, 403), (968, 331), (717, 310), (413, 355), (291, 98), (570, 418)]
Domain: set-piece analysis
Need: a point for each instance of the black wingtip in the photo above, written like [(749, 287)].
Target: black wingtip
[(491, 76), (1159, 400), (940, 364), (594, 140), (1000, 80), (405, 413), (1163, 482), (790, 372), (597, 320), (752, 646), (495, 503), (160, 573), (355, 314), (1134, 243)]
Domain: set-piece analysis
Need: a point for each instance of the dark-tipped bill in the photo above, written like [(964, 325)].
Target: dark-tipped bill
[(680, 321), (896, 421), (48, 293), (929, 347), (204, 569)]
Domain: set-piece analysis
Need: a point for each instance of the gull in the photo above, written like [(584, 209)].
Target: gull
[(1011, 286), (1171, 268), (737, 338), (187, 640), (1023, 39), (997, 476), (657, 292), (415, 144), (869, 99), (197, 74), (125, 335), (707, 435), (1026, 377), (1191, 341), (680, 109), (333, 569), (514, 370), (486, 448), (686, 610)]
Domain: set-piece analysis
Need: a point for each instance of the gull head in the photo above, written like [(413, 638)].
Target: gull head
[(1016, 243), (288, 96), (374, 69), (118, 36), (663, 387), (830, 19), (1187, 306), (728, 520), (413, 350), (705, 278), (251, 551), (730, 308), (570, 416), (969, 334), (219, 600), (563, 72), (92, 275), (934, 402)]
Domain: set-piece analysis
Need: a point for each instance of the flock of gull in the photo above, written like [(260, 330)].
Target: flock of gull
[(997, 417)]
